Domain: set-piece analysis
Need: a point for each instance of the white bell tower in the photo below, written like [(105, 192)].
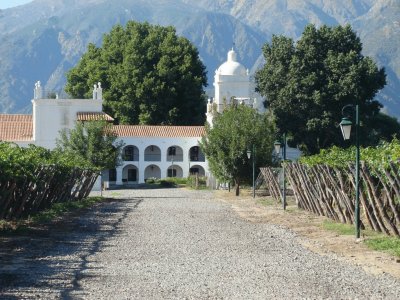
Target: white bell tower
[(232, 83)]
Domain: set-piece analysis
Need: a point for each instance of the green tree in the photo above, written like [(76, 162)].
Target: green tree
[(234, 132), (382, 127), (307, 83), (93, 143), (149, 75)]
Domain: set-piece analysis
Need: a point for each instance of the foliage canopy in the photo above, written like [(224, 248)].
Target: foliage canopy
[(233, 133), (378, 157), (21, 163), (93, 143), (150, 76), (307, 83)]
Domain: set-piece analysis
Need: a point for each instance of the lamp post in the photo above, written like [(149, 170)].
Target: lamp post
[(278, 147), (345, 126), (252, 153)]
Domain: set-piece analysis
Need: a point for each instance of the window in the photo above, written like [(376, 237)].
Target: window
[(171, 151), (152, 153), (112, 175), (194, 153), (171, 173), (194, 171), (128, 153), (131, 174)]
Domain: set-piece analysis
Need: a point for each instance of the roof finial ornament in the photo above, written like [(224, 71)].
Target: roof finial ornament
[(94, 92), (38, 91), (99, 91), (231, 55)]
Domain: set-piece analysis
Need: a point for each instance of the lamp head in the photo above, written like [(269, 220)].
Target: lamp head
[(277, 146), (345, 127)]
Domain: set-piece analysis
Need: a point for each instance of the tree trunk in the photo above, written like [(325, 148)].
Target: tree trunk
[(237, 187)]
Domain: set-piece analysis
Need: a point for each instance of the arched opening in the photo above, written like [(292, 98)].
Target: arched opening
[(174, 153), (112, 175), (152, 171), (152, 153), (196, 169), (175, 171), (130, 153), (130, 174), (195, 154)]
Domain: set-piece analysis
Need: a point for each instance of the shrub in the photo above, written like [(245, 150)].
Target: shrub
[(34, 178), (191, 181), (151, 180), (166, 183)]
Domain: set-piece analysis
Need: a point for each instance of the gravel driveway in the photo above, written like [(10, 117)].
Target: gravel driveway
[(175, 244)]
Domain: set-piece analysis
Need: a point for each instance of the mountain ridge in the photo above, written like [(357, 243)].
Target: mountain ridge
[(43, 39)]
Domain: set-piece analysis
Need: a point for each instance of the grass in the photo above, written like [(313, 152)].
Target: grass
[(374, 240), (267, 201), (386, 244), (58, 209), (270, 201), (343, 229)]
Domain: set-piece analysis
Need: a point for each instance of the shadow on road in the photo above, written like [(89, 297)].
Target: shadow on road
[(50, 259)]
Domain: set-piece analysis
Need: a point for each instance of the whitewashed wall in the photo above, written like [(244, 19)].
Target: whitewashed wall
[(162, 166), (50, 116)]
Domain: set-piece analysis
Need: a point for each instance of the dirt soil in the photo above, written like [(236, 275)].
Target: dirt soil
[(311, 233)]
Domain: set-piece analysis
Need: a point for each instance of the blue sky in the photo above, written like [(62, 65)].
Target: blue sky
[(11, 3)]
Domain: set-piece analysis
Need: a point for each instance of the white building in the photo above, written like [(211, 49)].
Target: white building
[(232, 84), (158, 152), (50, 116), (149, 151)]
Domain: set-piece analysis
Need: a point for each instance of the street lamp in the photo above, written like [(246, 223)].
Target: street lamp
[(252, 153), (278, 147), (345, 126)]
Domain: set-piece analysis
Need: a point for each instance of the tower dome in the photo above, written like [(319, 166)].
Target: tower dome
[(231, 66)]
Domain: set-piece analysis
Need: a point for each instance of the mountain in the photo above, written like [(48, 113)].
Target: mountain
[(45, 38), (379, 30)]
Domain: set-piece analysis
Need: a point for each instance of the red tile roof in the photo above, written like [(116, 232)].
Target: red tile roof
[(93, 116), (20, 128), (14, 128), (158, 131)]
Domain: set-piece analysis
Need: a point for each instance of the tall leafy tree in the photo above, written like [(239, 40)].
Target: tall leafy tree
[(149, 74), (233, 133), (307, 83), (93, 143)]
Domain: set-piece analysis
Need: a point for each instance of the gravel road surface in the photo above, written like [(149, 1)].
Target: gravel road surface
[(175, 244)]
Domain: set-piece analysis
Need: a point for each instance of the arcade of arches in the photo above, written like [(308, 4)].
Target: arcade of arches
[(172, 160)]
